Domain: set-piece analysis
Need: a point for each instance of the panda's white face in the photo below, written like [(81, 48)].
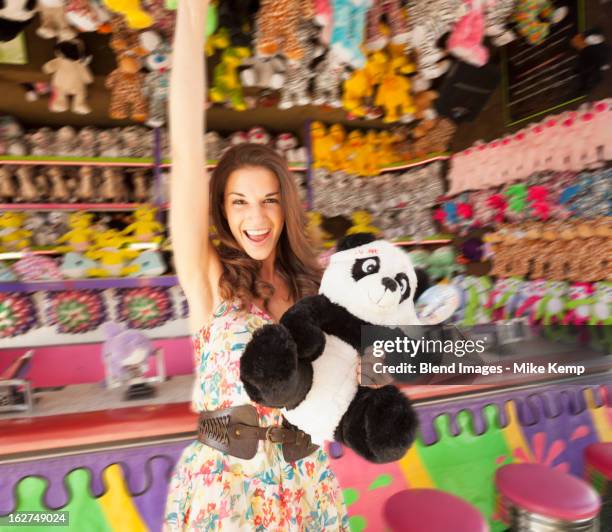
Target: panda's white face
[(375, 282), (17, 10)]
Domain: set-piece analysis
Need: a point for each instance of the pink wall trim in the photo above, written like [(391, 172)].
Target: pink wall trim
[(60, 365)]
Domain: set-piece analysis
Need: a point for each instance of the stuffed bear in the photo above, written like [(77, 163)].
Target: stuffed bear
[(15, 15), (70, 76), (307, 363), (53, 21)]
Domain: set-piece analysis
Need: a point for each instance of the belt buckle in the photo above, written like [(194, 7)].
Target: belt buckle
[(269, 436)]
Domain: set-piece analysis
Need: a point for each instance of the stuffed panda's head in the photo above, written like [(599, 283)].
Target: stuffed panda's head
[(15, 15), (375, 281)]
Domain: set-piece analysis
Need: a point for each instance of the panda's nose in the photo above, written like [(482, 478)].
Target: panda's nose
[(389, 283)]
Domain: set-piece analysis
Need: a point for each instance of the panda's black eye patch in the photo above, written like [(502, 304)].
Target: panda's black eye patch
[(404, 284), (365, 267)]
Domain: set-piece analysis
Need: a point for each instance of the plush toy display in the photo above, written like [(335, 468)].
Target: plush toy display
[(15, 15), (80, 236), (70, 76), (135, 16), (144, 228), (307, 364), (157, 84), (12, 235), (226, 87), (8, 189), (349, 18), (126, 86), (53, 22), (111, 256), (278, 26)]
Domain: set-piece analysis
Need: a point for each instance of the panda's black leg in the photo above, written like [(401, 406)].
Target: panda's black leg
[(380, 424), (269, 368)]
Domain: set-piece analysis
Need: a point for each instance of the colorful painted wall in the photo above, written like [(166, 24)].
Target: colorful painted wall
[(460, 446)]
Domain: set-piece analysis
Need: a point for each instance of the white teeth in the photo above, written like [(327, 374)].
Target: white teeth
[(258, 232)]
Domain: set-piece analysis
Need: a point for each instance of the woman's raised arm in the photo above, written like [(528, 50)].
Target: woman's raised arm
[(197, 263)]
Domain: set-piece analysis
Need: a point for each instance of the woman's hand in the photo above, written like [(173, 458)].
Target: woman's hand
[(368, 377)]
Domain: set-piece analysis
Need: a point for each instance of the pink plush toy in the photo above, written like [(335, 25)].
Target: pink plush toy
[(37, 268), (324, 17), (465, 41)]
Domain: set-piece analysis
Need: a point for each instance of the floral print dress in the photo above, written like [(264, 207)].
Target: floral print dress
[(213, 491)]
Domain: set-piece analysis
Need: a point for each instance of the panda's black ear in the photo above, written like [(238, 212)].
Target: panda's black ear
[(423, 282), (355, 240)]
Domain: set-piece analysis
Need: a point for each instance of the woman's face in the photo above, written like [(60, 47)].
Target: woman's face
[(253, 210)]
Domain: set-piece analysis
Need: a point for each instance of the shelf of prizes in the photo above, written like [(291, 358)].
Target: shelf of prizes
[(388, 126)]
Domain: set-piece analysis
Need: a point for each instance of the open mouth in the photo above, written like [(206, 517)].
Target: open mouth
[(257, 236)]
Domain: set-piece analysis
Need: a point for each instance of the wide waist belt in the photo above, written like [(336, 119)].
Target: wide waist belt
[(236, 431)]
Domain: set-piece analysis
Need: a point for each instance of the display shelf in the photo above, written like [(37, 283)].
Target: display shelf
[(166, 163), (422, 242), (34, 160), (88, 284), (102, 207), (397, 167), (146, 162)]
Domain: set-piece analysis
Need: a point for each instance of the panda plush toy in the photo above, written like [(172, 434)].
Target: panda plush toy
[(15, 15), (307, 364)]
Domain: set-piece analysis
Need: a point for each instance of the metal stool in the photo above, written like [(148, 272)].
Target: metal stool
[(598, 471), (429, 510), (535, 498)]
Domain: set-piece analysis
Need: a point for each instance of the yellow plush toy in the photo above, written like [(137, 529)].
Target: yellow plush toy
[(112, 260), (81, 235), (135, 17), (358, 158), (361, 224), (226, 87), (338, 151), (372, 148), (319, 238), (394, 94), (386, 153), (321, 146), (12, 236), (356, 90), (144, 228)]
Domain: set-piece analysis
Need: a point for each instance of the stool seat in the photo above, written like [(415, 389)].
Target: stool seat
[(548, 492), (599, 456), (429, 510)]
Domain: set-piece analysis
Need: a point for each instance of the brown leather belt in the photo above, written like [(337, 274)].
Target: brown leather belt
[(236, 431)]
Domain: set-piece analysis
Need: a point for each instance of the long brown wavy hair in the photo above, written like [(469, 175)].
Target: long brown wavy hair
[(296, 262)]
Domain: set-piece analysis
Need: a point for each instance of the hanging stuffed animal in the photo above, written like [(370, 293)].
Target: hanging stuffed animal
[(126, 86), (132, 11), (466, 39), (53, 22), (86, 15), (15, 15), (394, 95), (534, 17), (70, 76), (157, 84), (392, 11), (226, 87), (348, 31), (278, 27), (497, 21), (328, 77)]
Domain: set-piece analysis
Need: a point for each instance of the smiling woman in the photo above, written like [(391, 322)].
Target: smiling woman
[(238, 482), (260, 223)]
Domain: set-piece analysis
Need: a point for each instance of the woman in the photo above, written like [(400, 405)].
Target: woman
[(262, 265)]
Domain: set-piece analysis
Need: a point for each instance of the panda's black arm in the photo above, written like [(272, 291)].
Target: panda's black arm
[(304, 321), (313, 316)]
